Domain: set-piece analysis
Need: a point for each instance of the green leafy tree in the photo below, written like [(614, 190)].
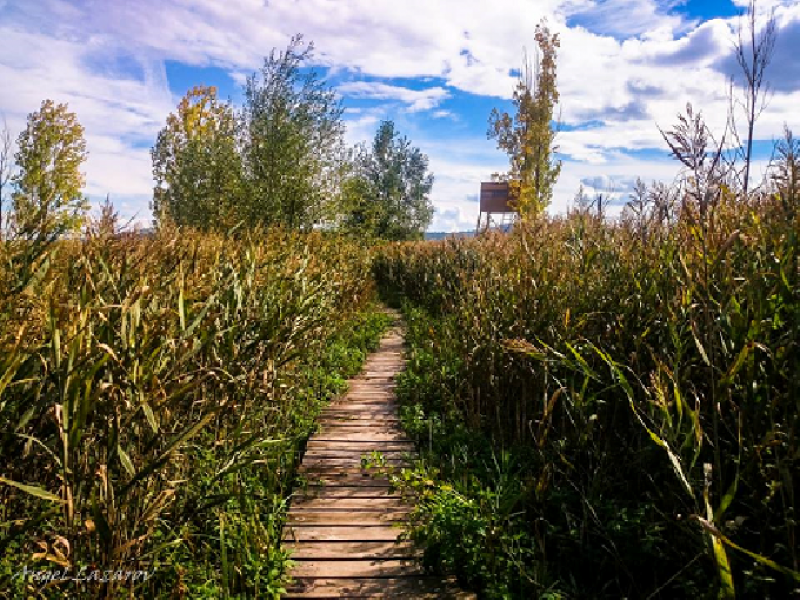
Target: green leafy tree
[(389, 193), (196, 164), (47, 199), (527, 136), (361, 212), (292, 142)]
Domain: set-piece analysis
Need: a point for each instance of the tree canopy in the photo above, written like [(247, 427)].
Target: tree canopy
[(47, 198), (388, 194), (276, 161), (528, 135), (196, 164), (292, 139)]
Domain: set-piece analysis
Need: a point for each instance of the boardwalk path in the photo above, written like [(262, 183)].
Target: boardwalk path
[(342, 526)]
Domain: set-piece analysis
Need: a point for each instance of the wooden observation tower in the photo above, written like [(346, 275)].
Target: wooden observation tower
[(496, 211)]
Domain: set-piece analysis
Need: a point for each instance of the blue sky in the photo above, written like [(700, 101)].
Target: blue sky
[(436, 68)]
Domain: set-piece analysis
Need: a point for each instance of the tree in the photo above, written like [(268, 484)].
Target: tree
[(528, 136), (360, 209), (292, 140), (753, 55), (196, 164), (389, 193), (786, 175), (5, 168), (47, 200)]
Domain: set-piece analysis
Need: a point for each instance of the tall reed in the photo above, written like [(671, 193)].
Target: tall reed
[(645, 377), (153, 397)]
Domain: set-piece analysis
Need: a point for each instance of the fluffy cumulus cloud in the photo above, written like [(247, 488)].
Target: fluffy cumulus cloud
[(625, 67)]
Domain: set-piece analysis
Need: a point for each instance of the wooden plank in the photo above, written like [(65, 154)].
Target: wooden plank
[(381, 425), (331, 533), (344, 492), (339, 473), (340, 503), (357, 455), (370, 403), (346, 480), (358, 449), (383, 428), (356, 568), (350, 517), (416, 588), (370, 439), (358, 419), (352, 550), (348, 417), (342, 433), (357, 427), (311, 463), (362, 444), (363, 441), (356, 446), (361, 412), (363, 402)]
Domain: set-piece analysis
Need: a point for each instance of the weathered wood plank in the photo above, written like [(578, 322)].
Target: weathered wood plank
[(344, 492), (345, 503), (361, 436), (349, 517), (352, 550), (331, 462), (354, 454), (417, 588), (358, 420), (348, 479), (360, 447), (361, 413), (331, 533), (356, 568)]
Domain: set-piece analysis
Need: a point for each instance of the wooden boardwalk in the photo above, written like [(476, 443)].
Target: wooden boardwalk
[(343, 525)]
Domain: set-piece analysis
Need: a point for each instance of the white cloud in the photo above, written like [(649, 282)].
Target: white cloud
[(451, 220), (416, 100), (626, 64), (121, 114), (627, 18)]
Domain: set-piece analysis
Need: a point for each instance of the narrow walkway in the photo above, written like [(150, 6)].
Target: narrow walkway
[(343, 526)]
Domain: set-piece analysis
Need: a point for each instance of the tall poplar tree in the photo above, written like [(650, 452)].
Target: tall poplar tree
[(48, 199), (528, 135)]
